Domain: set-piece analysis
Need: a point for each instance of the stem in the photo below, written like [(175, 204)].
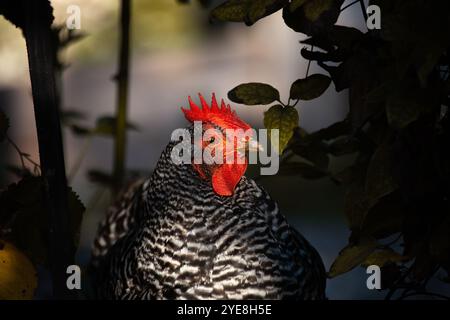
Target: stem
[(349, 5), (309, 63), (364, 11), (280, 102), (16, 147), (38, 37), (122, 95), (22, 155)]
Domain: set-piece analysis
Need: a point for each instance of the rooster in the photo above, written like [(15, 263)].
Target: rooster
[(202, 231)]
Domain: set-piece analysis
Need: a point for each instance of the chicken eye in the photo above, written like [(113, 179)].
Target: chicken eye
[(212, 139)]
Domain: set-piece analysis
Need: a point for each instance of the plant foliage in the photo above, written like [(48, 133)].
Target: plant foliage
[(397, 128)]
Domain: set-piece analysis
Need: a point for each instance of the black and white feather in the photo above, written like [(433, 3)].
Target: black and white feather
[(172, 237)]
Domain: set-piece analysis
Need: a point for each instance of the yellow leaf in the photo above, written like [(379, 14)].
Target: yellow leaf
[(285, 119), (18, 279), (382, 257), (351, 256)]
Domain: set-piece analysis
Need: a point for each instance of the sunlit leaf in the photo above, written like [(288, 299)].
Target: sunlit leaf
[(254, 93), (352, 256), (247, 11), (285, 119), (18, 280), (382, 257)]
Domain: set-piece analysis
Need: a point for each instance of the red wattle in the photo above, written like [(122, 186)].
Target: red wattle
[(226, 177)]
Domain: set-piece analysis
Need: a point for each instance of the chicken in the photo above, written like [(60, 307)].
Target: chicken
[(202, 231)]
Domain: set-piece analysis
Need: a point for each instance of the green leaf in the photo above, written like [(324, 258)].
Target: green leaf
[(233, 11), (101, 177), (106, 125), (254, 93), (355, 204), (402, 110), (295, 4), (310, 149), (4, 125), (310, 88), (382, 257), (69, 116), (283, 119), (379, 179), (385, 218), (407, 101), (314, 9), (351, 256), (80, 130), (343, 146), (312, 16), (25, 215), (247, 11)]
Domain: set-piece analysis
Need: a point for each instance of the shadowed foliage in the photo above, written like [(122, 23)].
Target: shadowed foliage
[(397, 128)]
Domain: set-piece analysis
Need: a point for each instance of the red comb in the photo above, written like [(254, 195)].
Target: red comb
[(222, 116)]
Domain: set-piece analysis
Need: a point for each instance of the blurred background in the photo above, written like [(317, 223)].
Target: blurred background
[(176, 52)]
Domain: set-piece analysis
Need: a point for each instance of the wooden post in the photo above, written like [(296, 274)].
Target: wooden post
[(37, 21)]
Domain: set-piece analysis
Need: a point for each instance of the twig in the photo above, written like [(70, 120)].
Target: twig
[(363, 8), (15, 146), (309, 63), (349, 5), (22, 155), (280, 102)]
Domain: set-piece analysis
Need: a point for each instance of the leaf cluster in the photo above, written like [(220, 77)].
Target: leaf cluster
[(397, 128)]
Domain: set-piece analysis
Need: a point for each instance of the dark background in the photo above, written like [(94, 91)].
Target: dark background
[(175, 53)]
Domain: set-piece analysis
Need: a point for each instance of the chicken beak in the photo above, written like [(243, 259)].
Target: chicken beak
[(254, 145), (250, 145)]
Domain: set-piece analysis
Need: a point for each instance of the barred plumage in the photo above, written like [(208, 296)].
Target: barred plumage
[(173, 236)]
